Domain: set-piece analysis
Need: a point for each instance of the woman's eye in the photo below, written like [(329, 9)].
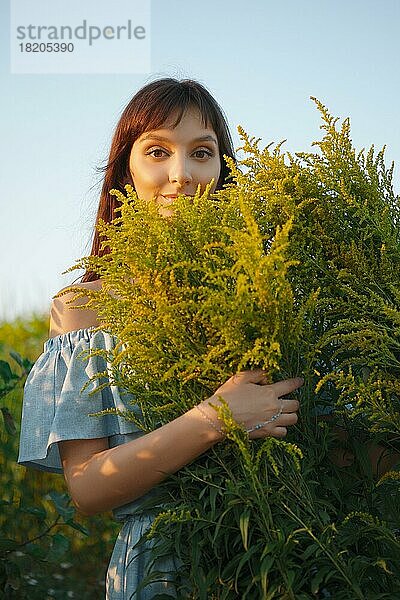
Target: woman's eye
[(202, 153), (160, 153), (156, 152)]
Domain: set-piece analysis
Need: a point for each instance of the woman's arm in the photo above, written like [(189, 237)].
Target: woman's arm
[(101, 478)]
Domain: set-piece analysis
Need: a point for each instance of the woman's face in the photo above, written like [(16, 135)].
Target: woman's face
[(167, 162)]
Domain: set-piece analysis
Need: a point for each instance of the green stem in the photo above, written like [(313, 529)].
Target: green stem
[(327, 552)]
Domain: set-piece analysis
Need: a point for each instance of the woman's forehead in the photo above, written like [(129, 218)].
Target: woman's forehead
[(189, 115), (190, 128)]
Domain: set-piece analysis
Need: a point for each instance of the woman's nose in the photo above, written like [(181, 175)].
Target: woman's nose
[(180, 172)]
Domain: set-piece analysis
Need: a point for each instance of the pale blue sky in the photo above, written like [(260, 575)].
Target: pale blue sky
[(261, 60)]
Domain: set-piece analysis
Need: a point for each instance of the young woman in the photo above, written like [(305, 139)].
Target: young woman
[(171, 138)]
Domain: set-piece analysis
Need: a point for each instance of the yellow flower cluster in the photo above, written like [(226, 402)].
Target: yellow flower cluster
[(293, 267)]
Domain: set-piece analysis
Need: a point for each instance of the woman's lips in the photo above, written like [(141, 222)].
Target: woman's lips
[(166, 200), (175, 196)]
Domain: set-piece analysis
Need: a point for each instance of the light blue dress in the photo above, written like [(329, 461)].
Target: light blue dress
[(55, 409)]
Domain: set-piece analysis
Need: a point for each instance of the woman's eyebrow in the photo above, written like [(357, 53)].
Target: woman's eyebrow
[(160, 138)]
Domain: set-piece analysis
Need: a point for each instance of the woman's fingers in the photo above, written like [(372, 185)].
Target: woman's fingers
[(259, 376), (252, 405), (287, 419), (255, 376), (287, 386), (279, 432), (278, 427), (290, 405)]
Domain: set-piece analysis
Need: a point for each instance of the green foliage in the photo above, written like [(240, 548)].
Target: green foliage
[(45, 551), (294, 267), (24, 335)]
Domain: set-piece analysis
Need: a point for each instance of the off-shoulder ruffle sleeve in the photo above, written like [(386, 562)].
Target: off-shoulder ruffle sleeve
[(55, 408)]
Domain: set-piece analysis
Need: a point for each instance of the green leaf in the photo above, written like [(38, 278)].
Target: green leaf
[(24, 363), (244, 559), (310, 550), (290, 576), (244, 527), (77, 526), (38, 511), (5, 371), (17, 357), (265, 568), (213, 497), (8, 421), (59, 546), (319, 578), (61, 503)]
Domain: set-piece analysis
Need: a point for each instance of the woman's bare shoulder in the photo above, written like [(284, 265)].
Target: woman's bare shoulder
[(64, 317)]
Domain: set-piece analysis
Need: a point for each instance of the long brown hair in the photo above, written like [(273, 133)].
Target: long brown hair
[(149, 109)]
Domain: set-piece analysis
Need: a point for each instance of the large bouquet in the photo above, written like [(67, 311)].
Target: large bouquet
[(293, 267)]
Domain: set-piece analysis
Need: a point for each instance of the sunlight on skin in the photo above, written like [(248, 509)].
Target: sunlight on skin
[(65, 318), (102, 478), (167, 162), (108, 468)]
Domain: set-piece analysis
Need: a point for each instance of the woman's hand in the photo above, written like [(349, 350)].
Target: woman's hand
[(254, 402)]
